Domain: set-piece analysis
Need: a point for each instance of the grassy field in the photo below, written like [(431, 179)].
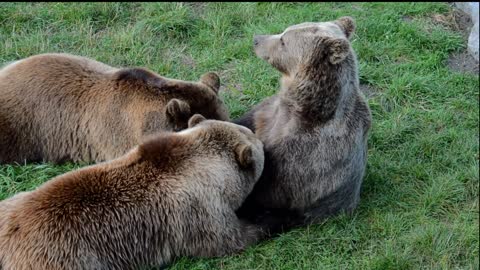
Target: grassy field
[(419, 204)]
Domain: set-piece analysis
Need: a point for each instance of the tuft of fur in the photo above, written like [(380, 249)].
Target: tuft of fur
[(173, 195), (314, 130), (61, 107)]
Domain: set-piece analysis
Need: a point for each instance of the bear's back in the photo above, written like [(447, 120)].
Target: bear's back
[(45, 98)]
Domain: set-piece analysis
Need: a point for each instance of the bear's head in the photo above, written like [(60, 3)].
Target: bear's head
[(244, 149), (239, 155), (306, 43), (203, 99), (180, 99), (220, 153)]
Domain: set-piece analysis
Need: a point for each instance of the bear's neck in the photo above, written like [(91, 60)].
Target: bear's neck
[(315, 90)]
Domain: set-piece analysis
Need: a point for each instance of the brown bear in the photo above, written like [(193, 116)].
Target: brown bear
[(173, 195), (61, 107), (315, 129)]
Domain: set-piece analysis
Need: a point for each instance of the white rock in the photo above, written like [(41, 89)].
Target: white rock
[(471, 8)]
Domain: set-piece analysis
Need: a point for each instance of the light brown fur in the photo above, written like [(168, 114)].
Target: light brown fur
[(315, 129), (61, 107), (174, 195)]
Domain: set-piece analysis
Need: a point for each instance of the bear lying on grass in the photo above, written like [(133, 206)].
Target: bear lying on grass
[(173, 195), (315, 129), (61, 107)]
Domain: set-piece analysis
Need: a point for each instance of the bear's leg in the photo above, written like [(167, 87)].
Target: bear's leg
[(343, 200), (239, 236), (225, 238), (246, 120)]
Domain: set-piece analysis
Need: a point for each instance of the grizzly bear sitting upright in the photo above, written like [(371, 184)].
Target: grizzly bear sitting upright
[(61, 107), (174, 195), (315, 129)]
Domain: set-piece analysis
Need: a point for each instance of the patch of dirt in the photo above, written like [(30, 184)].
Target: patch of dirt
[(403, 59), (463, 62), (229, 87), (455, 20), (458, 21), (369, 91), (407, 18), (179, 55), (187, 60), (225, 83)]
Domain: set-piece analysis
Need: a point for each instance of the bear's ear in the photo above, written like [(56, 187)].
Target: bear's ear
[(195, 119), (338, 50), (244, 156), (335, 49), (177, 109), (211, 80), (347, 24)]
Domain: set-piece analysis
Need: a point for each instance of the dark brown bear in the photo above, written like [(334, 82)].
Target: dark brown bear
[(61, 107)]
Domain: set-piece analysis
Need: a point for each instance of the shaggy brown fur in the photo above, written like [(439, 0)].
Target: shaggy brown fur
[(60, 107), (174, 195), (315, 130)]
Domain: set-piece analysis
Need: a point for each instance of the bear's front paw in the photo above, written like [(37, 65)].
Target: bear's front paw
[(212, 80)]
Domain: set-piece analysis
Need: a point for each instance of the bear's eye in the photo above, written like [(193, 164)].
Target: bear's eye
[(281, 41)]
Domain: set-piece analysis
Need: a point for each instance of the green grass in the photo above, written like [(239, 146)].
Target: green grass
[(419, 204)]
